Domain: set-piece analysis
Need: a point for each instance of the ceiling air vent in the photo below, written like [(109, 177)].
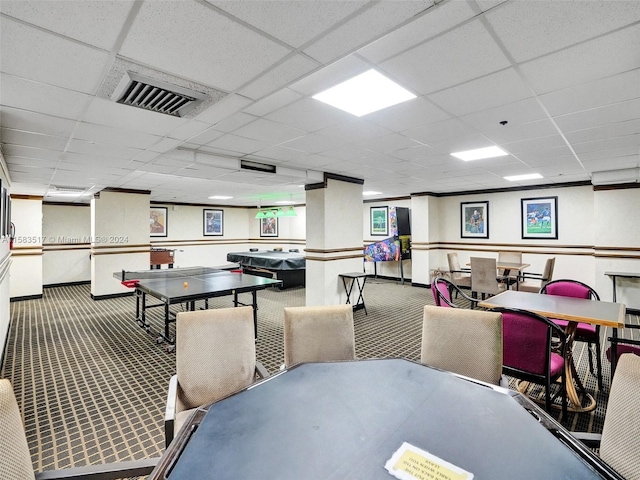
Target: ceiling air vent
[(151, 94)]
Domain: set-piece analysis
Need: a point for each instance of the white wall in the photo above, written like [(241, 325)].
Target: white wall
[(5, 265), (26, 265), (66, 231)]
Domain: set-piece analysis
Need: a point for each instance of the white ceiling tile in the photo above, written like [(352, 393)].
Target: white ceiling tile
[(597, 117), (291, 69), (470, 52), (280, 153), (380, 18), (314, 143), (233, 122), (229, 105), (460, 143), (534, 144), (548, 153), (19, 164), (31, 53), (305, 20), (506, 134), (27, 95), (273, 102), (604, 132), (206, 137), (188, 130), (18, 137), (165, 144), (310, 115), (96, 149), (484, 93), (35, 122), (355, 130), (615, 163), (617, 88), (117, 136), (415, 154), (268, 131), (241, 145), (439, 131), (25, 153), (616, 53), (331, 75), (529, 31), (190, 40), (111, 114), (347, 152), (435, 21), (407, 115), (609, 144), (95, 23), (388, 143), (519, 112)]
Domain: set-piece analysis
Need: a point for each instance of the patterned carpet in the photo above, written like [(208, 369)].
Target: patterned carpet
[(92, 384)]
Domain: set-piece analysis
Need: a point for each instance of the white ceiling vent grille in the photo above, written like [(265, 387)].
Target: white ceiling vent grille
[(150, 94)]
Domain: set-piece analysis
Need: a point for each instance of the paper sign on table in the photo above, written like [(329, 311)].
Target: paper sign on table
[(412, 463)]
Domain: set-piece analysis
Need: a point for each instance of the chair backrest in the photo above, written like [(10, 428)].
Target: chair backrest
[(15, 460), (483, 275), (318, 334), (454, 265), (527, 341), (441, 292), (620, 444), (510, 257), (467, 342), (215, 354), (547, 275), (569, 288)]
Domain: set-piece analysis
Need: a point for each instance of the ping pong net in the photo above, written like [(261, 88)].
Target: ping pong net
[(130, 279)]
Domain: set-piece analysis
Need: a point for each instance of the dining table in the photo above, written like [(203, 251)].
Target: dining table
[(375, 419), (573, 310)]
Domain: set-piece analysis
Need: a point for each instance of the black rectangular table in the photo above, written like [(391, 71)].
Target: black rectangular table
[(187, 285), (344, 420), (290, 267), (354, 279)]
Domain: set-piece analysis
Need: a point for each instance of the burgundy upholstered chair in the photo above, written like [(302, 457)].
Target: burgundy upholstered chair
[(585, 332), (622, 345), (528, 353), (442, 290)]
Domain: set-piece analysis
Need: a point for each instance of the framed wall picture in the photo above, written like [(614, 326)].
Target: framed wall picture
[(379, 221), (158, 226), (474, 219), (539, 217), (269, 227), (212, 222)]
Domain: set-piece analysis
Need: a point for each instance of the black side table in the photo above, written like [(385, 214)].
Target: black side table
[(355, 280)]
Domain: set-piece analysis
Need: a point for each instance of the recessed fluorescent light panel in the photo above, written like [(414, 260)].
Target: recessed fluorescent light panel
[(529, 176), (365, 93), (480, 153), (220, 197), (371, 193)]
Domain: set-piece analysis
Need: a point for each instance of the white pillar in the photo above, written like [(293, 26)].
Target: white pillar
[(26, 256), (334, 237), (119, 238)]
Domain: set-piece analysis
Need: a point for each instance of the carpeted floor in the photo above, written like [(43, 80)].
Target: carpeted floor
[(92, 384)]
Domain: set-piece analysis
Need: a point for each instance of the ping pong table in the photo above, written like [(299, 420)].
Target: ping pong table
[(188, 285)]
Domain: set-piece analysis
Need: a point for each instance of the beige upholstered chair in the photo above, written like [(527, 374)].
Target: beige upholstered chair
[(620, 441), (510, 257), (15, 459), (459, 277), (466, 342), (483, 277), (215, 357), (318, 334), (533, 282)]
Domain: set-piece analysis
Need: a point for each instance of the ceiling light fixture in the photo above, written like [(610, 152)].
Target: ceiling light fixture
[(365, 93), (528, 176), (480, 153), (220, 197), (371, 193)]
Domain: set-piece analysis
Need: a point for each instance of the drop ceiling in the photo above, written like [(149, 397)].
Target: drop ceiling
[(564, 75)]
